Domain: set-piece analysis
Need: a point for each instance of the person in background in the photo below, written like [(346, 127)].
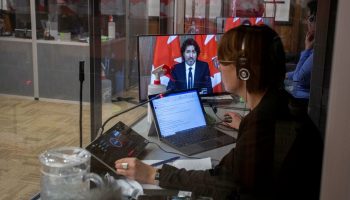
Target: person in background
[(301, 76), (192, 73), (278, 153)]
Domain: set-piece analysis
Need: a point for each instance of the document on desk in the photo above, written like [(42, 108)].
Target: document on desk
[(188, 164)]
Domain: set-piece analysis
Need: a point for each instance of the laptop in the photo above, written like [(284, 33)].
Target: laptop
[(180, 122)]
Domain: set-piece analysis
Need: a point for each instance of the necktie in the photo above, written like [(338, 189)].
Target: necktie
[(189, 83)]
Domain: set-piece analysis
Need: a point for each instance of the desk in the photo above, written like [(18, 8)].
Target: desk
[(152, 152)]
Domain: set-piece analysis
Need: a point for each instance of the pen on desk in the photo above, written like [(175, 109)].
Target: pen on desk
[(165, 161)]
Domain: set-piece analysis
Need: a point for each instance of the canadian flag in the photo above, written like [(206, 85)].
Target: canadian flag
[(208, 47), (232, 22), (166, 52), (256, 20)]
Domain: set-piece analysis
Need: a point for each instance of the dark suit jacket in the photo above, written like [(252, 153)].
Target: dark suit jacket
[(278, 155), (201, 77)]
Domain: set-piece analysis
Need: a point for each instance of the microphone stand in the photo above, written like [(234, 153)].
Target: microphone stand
[(81, 79), (100, 131)]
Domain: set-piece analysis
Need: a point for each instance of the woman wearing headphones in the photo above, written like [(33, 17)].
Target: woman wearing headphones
[(278, 154)]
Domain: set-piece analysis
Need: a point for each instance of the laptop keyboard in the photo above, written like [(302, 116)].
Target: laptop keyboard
[(192, 136)]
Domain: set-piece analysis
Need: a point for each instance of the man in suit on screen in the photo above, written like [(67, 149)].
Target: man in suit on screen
[(191, 73)]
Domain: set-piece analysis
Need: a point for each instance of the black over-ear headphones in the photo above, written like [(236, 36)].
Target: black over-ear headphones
[(242, 62)]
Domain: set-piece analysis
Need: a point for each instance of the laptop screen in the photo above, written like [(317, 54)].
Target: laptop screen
[(177, 112)]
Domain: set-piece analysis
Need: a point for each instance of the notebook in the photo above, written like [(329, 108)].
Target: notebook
[(180, 122)]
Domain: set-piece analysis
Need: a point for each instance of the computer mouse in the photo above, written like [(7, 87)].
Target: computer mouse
[(227, 118)]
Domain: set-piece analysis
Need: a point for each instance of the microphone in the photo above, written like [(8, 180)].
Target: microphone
[(101, 129), (81, 71), (81, 79)]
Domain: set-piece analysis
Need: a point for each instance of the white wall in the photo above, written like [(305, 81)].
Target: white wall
[(3, 5), (153, 7), (336, 167)]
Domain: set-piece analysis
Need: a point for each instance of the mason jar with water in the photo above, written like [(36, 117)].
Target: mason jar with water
[(65, 173)]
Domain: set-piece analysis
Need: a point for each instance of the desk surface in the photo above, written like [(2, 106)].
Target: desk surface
[(152, 152)]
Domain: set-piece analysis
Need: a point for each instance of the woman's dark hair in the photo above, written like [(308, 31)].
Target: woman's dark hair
[(312, 6), (264, 51), (189, 42)]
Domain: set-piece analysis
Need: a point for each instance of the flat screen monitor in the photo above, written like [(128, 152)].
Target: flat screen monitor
[(165, 51)]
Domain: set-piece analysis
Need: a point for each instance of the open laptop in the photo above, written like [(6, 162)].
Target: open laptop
[(180, 122)]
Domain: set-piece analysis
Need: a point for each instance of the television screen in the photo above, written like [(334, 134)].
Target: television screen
[(195, 67)]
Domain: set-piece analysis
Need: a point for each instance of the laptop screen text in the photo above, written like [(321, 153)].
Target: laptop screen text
[(178, 112)]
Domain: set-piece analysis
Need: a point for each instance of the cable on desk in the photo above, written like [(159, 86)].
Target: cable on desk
[(192, 157), (211, 121), (232, 107), (224, 127), (220, 122), (172, 151), (215, 110)]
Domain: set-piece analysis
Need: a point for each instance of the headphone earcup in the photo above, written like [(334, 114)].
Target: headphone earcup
[(243, 74)]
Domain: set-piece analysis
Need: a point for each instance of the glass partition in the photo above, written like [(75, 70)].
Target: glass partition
[(43, 41), (62, 20), (61, 43), (16, 64), (62, 35), (17, 20), (200, 16), (120, 74), (121, 22)]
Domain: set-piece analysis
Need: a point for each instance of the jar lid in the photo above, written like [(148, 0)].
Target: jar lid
[(64, 156)]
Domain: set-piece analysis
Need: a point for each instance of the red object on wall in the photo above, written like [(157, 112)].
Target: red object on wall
[(248, 8)]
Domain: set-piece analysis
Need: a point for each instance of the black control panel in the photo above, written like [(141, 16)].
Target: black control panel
[(118, 142)]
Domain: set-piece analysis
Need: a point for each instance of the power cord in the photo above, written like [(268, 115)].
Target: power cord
[(225, 127), (221, 121), (171, 152), (232, 107)]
